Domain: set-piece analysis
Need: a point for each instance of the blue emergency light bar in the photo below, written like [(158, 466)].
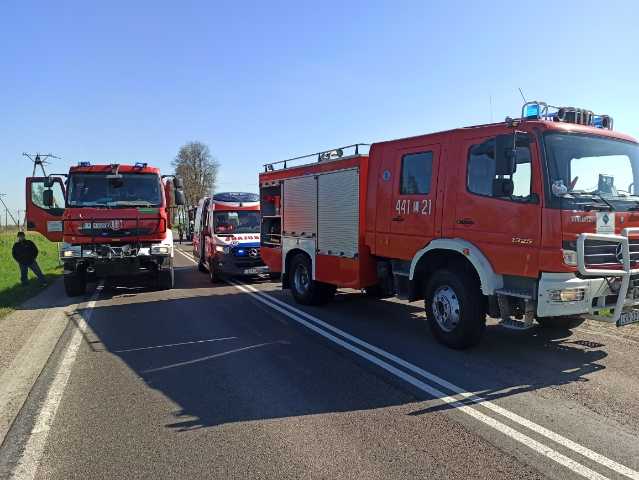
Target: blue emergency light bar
[(140, 164), (84, 164), (579, 116)]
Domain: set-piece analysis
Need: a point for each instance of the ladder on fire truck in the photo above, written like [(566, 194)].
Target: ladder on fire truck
[(339, 153)]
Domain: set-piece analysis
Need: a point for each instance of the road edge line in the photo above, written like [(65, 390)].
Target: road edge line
[(27, 465)]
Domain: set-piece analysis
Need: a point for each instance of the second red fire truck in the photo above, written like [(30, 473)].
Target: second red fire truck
[(529, 220)]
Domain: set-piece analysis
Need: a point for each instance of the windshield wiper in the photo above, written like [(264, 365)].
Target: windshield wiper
[(134, 203), (580, 194)]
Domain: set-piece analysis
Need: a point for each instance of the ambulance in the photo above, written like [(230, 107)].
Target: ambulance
[(226, 235)]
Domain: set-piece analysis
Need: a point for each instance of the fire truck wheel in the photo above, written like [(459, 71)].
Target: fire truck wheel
[(455, 309), (75, 284), (306, 290), (565, 322)]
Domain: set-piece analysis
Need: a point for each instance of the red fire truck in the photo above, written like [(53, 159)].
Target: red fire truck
[(113, 220), (532, 219), (226, 235)]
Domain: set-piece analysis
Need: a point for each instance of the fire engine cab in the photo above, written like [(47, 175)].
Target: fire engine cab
[(226, 235), (114, 221), (534, 219)]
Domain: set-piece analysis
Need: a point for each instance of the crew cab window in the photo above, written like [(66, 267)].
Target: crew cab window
[(481, 171), (417, 171)]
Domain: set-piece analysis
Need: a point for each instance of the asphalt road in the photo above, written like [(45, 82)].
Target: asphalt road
[(236, 381)]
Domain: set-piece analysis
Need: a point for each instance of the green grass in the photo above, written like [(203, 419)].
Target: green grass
[(12, 293)]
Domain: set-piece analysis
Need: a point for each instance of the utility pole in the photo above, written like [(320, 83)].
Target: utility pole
[(39, 160), (7, 214)]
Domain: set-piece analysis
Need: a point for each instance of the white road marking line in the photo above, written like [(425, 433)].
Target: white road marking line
[(30, 460), (174, 344), (438, 394), (187, 255), (209, 357), (586, 452)]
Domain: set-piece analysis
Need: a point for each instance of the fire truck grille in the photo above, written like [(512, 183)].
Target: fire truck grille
[(107, 232), (601, 252)]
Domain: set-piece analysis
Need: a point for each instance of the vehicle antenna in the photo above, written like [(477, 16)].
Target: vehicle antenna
[(522, 96), (490, 105)]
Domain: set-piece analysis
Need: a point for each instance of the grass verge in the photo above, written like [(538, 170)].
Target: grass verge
[(12, 293)]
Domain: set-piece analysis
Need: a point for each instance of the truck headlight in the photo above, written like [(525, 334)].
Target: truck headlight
[(570, 257), (567, 295), (219, 248), (71, 251), (160, 250)]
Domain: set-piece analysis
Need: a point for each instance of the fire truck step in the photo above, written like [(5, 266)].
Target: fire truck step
[(513, 324), (507, 321)]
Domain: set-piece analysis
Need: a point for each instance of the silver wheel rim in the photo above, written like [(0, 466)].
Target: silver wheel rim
[(301, 278), (446, 308)]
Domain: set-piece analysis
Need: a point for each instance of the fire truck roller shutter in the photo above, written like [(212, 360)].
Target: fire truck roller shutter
[(300, 207), (490, 281), (338, 213)]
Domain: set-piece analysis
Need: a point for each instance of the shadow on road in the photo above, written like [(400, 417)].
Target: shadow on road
[(224, 358)]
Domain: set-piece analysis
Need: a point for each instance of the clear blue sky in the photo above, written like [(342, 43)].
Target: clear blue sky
[(126, 81)]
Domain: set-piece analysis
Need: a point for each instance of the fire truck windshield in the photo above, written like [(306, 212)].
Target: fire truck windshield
[(246, 221), (593, 167), (125, 190)]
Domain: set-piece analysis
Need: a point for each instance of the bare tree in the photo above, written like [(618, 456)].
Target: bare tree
[(198, 170)]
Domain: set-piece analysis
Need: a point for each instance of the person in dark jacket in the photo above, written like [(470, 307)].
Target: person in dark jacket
[(25, 253)]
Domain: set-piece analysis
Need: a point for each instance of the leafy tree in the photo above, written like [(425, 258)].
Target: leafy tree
[(198, 170)]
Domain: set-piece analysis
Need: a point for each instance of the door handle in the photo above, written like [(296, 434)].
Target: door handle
[(465, 221), (398, 219)]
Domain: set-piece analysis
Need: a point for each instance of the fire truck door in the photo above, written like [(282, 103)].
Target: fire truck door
[(506, 229), (45, 219), (413, 201)]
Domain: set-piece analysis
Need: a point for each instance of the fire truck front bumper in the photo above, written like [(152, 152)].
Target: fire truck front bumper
[(104, 261), (608, 295), (561, 294)]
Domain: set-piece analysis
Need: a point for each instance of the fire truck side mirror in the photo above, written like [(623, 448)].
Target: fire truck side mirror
[(505, 155), (180, 199), (47, 197), (503, 187)]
